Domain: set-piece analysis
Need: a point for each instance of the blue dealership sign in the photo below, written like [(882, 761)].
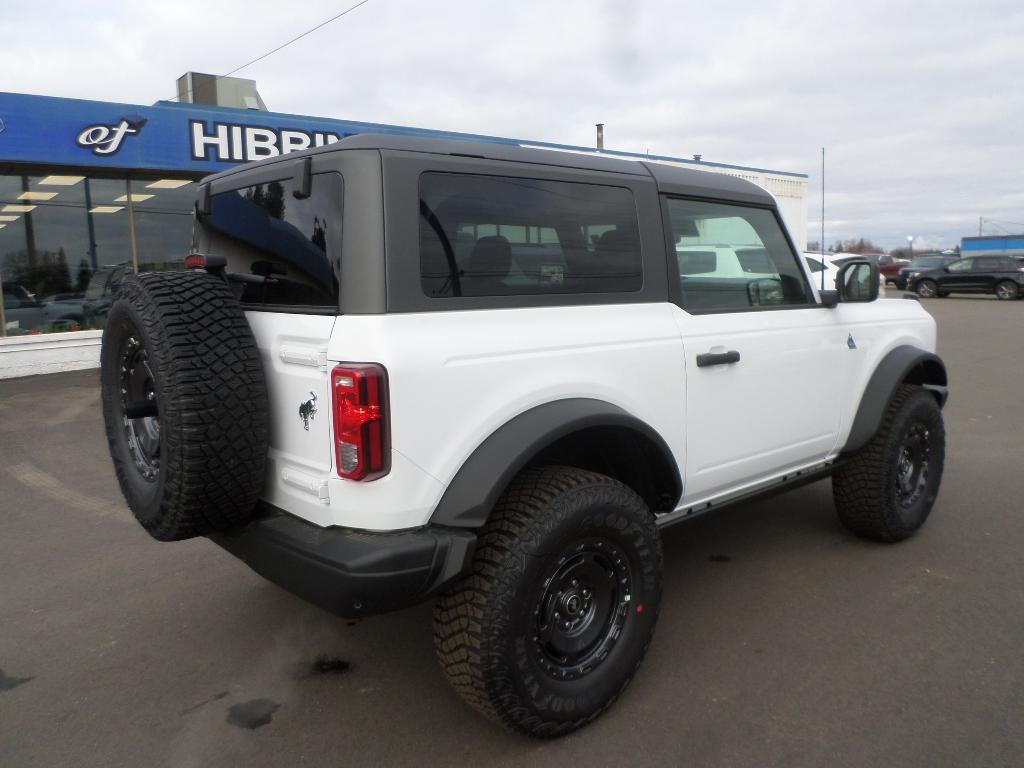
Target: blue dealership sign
[(167, 135)]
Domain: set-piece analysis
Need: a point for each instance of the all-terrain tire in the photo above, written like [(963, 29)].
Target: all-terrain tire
[(877, 493), (489, 628), (195, 464)]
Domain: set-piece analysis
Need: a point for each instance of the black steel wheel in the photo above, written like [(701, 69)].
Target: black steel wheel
[(912, 465), (139, 410), (887, 490), (583, 606), (560, 608)]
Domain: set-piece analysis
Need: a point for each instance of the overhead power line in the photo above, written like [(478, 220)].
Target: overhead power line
[(293, 40)]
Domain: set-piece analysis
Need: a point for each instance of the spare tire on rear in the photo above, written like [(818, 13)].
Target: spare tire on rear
[(185, 404)]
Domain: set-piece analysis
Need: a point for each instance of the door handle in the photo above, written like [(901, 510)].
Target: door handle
[(718, 358)]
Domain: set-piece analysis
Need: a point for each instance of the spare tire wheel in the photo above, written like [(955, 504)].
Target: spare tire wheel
[(184, 403)]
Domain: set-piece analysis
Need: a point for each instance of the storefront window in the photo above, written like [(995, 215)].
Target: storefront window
[(163, 214), (66, 244)]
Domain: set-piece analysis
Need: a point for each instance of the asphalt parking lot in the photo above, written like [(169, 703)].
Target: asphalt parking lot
[(783, 640)]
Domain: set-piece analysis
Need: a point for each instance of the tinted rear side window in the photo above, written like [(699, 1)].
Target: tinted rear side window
[(506, 236), (291, 246)]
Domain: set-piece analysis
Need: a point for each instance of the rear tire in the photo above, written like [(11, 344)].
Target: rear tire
[(887, 490), (561, 605), (1007, 290), (184, 403)]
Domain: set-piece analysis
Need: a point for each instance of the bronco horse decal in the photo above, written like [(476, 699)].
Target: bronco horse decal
[(307, 411)]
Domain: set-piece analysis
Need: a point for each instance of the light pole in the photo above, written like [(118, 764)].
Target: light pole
[(910, 246)]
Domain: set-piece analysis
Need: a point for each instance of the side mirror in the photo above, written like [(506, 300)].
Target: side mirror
[(858, 281), (765, 292), (828, 298)]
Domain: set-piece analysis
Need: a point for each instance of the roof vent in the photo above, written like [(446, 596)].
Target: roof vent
[(236, 92)]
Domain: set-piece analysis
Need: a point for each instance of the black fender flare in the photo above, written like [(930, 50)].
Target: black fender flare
[(902, 364), (475, 489)]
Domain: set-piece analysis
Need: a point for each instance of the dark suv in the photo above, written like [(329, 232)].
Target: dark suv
[(1001, 275), (921, 264)]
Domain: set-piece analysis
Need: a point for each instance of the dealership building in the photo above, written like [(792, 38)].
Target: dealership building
[(992, 245), (91, 190)]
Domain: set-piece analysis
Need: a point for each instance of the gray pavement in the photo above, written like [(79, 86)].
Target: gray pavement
[(783, 640)]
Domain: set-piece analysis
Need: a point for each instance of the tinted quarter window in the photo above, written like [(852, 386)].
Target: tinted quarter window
[(732, 257), (290, 246), (503, 236)]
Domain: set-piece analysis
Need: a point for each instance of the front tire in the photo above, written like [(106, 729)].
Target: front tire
[(887, 490), (561, 605), (926, 289)]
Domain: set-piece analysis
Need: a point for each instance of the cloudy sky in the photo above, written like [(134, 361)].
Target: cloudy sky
[(918, 104)]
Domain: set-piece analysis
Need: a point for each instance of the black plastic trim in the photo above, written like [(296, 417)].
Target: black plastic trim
[(475, 488), (303, 180), (774, 488), (347, 572), (894, 369), (707, 359)]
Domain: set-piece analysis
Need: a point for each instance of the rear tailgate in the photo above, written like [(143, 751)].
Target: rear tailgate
[(293, 348)]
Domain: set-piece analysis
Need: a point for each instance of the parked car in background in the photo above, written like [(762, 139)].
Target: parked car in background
[(841, 259), (1001, 275), (921, 264), (65, 309), (22, 310), (818, 264), (99, 294), (889, 267)]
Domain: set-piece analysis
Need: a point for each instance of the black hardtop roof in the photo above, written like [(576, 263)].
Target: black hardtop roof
[(670, 179)]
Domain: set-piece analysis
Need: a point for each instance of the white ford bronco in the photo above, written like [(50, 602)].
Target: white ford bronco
[(402, 367)]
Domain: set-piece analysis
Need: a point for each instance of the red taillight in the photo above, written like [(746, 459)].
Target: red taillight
[(205, 261), (359, 393)]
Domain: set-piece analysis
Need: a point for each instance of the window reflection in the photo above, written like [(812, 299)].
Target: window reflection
[(66, 244)]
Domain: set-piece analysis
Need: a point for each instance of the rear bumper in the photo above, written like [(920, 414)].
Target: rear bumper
[(350, 573)]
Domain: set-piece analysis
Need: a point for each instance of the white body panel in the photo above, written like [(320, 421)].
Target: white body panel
[(456, 377)]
